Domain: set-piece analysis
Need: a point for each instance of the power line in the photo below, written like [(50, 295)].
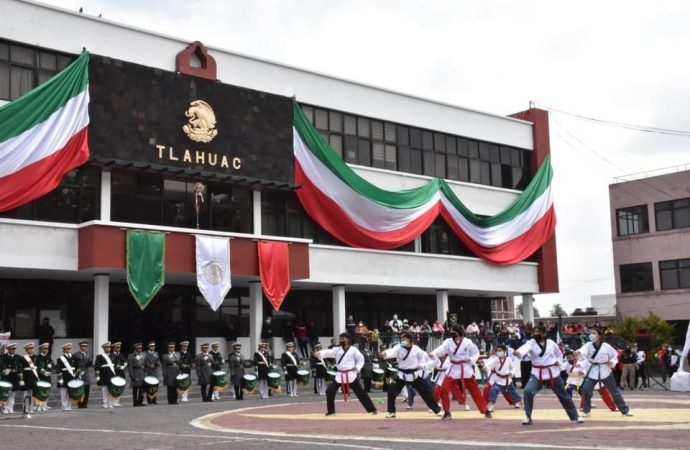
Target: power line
[(643, 128)]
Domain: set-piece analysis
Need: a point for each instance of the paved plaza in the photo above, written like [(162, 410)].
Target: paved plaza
[(661, 421)]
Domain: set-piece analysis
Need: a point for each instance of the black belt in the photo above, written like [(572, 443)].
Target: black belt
[(408, 371)]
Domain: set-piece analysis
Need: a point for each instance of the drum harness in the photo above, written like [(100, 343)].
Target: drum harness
[(67, 365), (109, 363)]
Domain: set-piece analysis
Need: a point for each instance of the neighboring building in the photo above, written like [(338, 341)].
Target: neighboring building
[(650, 224), (503, 308), (604, 304), (63, 255)]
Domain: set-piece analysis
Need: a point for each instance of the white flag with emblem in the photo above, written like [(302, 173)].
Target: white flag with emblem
[(213, 268)]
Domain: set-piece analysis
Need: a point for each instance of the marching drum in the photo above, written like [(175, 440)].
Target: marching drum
[(392, 374), (183, 382), (219, 380), (302, 377), (378, 377), (116, 387), (5, 390), (330, 376), (274, 380), (248, 383), (75, 390), (150, 385), (41, 391)]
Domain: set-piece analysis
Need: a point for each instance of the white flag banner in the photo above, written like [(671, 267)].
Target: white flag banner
[(213, 268)]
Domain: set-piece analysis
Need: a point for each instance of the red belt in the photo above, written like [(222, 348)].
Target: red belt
[(542, 368), (462, 367), (346, 384), (499, 375)]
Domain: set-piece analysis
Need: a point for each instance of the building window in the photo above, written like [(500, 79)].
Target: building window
[(672, 214), (154, 200), (675, 274), (22, 68), (76, 200), (375, 143), (440, 239), (636, 277), (633, 220)]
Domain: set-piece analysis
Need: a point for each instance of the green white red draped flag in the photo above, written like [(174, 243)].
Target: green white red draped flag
[(361, 214), (44, 135)]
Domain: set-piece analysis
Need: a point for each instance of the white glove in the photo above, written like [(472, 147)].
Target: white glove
[(60, 382), (21, 383), (6, 372), (98, 379)]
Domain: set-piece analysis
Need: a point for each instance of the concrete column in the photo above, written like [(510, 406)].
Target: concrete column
[(418, 244), (105, 195), (256, 209), (338, 310), (441, 305), (256, 314), (101, 301), (528, 308)]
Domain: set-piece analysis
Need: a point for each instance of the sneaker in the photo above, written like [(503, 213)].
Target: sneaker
[(488, 415), (578, 420), (584, 414), (408, 407), (629, 413), (467, 407), (446, 416), (390, 415), (330, 414), (517, 405), (527, 421), (374, 412), (105, 406), (490, 408)]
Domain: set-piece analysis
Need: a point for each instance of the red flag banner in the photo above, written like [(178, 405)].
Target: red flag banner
[(274, 268)]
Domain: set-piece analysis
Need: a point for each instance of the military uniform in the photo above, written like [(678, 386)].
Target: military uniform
[(120, 361), (66, 372), (186, 363), (28, 377), (44, 366), (264, 363), (82, 364), (152, 362), (135, 364), (236, 370), (170, 362), (216, 365), (318, 369), (202, 364), (10, 368), (105, 370), (289, 361)]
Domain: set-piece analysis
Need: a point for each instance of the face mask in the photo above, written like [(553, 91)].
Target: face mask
[(592, 337), (405, 343), (343, 343), (537, 337), (500, 354)]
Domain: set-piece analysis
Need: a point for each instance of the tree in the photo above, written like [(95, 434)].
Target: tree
[(661, 331), (557, 310), (518, 311)]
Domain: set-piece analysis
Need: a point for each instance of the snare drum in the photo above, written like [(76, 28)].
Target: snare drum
[(116, 387), (248, 383), (274, 381), (302, 377), (378, 376), (75, 390), (219, 380), (5, 391), (183, 382), (151, 385), (41, 392)]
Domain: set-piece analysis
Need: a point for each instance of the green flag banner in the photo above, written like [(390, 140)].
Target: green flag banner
[(145, 264)]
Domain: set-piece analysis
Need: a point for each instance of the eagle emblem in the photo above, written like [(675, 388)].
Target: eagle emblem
[(201, 126)]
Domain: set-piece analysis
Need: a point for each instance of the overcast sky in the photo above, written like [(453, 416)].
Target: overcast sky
[(624, 61)]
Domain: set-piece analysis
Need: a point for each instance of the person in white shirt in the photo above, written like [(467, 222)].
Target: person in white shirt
[(641, 374), (412, 361), (574, 372), (546, 357), (462, 354), (602, 358), (349, 362), (500, 370)]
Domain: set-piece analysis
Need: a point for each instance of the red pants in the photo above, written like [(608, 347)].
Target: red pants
[(605, 396), (458, 388), (487, 390)]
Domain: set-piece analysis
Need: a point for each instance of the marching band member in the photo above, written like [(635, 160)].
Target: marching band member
[(28, 378), (152, 362), (500, 370), (263, 365), (105, 370), (120, 362), (462, 354), (236, 369), (216, 365), (202, 364), (186, 362), (170, 364), (9, 363), (135, 364), (318, 367), (44, 364), (603, 358), (411, 364), (546, 357), (82, 363), (288, 360), (66, 373), (349, 362)]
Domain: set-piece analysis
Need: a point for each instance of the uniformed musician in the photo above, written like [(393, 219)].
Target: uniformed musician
[(290, 363), (217, 365), (202, 364), (120, 361), (83, 364), (28, 377), (186, 363), (263, 364), (170, 362), (10, 366), (236, 369), (66, 372), (135, 364), (44, 364), (318, 367), (105, 370), (152, 362)]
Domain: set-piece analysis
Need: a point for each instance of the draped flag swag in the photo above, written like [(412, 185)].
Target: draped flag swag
[(274, 269), (213, 268), (44, 135), (145, 264), (361, 214)]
